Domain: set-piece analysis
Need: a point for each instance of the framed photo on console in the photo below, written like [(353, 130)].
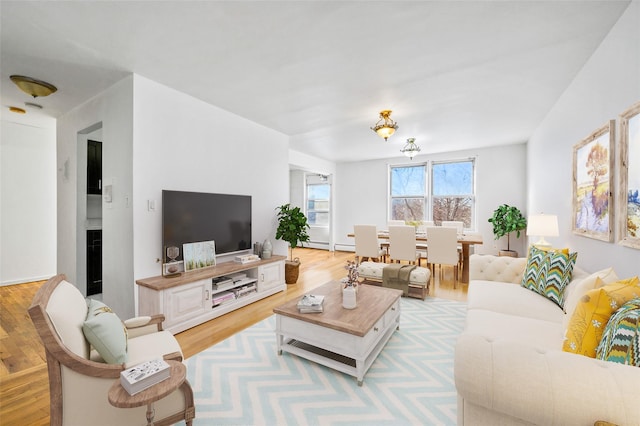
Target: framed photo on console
[(592, 184), (199, 255), (628, 203)]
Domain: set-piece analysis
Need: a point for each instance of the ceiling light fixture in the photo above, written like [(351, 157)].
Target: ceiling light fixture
[(33, 105), (385, 127), (17, 110), (410, 149), (33, 87)]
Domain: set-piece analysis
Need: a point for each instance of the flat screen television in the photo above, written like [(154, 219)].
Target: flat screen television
[(190, 217)]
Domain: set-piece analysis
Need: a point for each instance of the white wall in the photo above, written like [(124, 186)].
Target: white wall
[(114, 109), (156, 138), (607, 84), (299, 160), (361, 192), (27, 199), (182, 143)]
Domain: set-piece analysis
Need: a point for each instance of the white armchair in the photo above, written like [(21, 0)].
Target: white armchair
[(79, 379)]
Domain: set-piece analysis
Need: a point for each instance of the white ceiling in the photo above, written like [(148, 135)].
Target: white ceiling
[(457, 74)]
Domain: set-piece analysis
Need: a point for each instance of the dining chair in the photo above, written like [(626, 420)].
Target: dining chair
[(422, 228), (367, 246), (402, 244), (423, 247), (385, 244), (459, 225), (443, 249)]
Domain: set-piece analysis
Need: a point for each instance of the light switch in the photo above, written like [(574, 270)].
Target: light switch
[(151, 205), (108, 193)]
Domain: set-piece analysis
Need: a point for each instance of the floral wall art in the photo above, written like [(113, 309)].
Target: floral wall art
[(592, 184), (629, 185)]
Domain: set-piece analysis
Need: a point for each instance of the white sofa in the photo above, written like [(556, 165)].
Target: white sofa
[(509, 365)]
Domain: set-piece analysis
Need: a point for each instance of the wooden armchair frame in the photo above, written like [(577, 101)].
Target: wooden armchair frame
[(59, 355)]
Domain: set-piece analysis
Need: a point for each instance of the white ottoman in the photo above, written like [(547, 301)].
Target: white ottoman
[(418, 279)]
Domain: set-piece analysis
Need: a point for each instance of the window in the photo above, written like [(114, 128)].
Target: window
[(451, 195), (452, 191), (408, 192), (318, 204)]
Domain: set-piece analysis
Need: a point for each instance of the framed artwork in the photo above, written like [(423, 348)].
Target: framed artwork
[(628, 202), (592, 184), (199, 255)]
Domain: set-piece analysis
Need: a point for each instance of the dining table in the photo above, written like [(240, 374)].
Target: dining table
[(466, 240)]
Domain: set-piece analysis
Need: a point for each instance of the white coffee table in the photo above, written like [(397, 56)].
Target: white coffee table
[(347, 340)]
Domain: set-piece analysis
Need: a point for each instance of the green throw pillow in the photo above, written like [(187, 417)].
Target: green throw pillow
[(534, 269), (548, 273), (621, 337), (106, 333)]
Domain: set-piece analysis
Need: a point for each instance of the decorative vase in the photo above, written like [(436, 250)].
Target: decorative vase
[(349, 300), (267, 248)]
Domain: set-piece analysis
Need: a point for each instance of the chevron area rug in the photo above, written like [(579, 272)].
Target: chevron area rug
[(243, 381)]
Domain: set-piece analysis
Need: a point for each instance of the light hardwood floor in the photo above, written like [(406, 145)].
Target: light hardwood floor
[(24, 391)]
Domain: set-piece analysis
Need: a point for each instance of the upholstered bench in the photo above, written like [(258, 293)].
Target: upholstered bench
[(418, 279)]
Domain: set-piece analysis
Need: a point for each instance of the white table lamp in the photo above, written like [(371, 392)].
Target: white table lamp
[(542, 225)]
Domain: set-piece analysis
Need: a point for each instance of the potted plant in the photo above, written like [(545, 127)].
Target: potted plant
[(292, 228), (507, 219)]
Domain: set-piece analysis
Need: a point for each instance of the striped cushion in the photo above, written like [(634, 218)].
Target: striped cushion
[(534, 269), (621, 338), (558, 275), (549, 272)]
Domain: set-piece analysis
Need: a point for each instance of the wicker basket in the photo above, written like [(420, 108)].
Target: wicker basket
[(291, 271)]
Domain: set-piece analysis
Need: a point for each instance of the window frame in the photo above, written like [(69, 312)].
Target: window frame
[(314, 210), (429, 197), (472, 196), (424, 196)]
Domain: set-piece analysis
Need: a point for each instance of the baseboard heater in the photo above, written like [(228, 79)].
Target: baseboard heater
[(344, 247)]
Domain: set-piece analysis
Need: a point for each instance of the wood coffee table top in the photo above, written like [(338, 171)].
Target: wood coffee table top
[(373, 302)]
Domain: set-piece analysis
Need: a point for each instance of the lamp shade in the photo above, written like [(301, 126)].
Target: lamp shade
[(542, 225)]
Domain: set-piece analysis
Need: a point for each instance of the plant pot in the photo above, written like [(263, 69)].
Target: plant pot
[(291, 271), (510, 253)]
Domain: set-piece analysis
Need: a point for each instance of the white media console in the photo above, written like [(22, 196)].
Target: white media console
[(193, 297)]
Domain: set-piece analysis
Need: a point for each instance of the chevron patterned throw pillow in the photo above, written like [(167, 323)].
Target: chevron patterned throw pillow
[(621, 338), (549, 272)]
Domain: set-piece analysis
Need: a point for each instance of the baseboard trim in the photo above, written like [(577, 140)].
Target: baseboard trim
[(25, 280)]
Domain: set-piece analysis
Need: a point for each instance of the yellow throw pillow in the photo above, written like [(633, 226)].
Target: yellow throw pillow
[(593, 312), (607, 276), (552, 249)]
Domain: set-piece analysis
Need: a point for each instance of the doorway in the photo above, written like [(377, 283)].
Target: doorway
[(89, 232)]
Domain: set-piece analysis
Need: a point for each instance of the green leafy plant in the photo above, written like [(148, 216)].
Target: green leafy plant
[(507, 219), (292, 226)]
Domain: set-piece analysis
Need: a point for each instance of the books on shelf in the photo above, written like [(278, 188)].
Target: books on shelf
[(310, 303), (222, 283), (237, 276), (244, 290), (145, 375), (222, 297), (247, 258)]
